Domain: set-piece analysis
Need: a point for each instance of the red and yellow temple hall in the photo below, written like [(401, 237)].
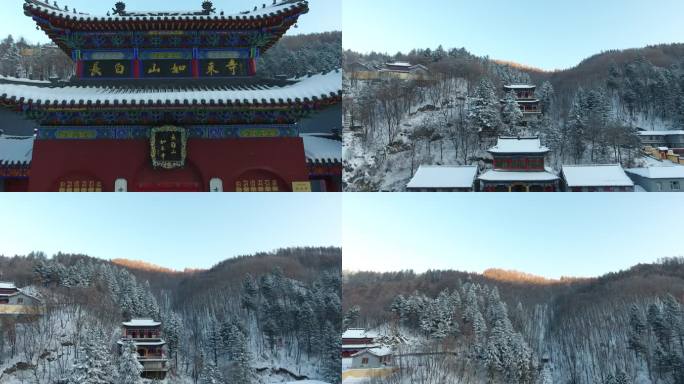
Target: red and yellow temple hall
[(170, 101)]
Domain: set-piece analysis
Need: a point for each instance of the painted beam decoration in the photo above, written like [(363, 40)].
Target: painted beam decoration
[(168, 146)]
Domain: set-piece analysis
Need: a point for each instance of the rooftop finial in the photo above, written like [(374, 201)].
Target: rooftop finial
[(208, 7), (119, 8)]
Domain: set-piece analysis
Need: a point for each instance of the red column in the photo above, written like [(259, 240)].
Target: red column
[(252, 66), (195, 68), (136, 68), (79, 69)]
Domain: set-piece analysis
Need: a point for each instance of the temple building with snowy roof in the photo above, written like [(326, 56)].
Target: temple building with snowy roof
[(529, 104), (169, 101), (518, 166), (151, 347)]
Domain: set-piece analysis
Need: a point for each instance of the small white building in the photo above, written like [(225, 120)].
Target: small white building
[(435, 178), (596, 178), (372, 358), (15, 301), (670, 139), (659, 179)]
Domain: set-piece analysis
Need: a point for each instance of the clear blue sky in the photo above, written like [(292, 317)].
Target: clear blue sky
[(543, 33), (324, 15), (550, 235), (172, 230)]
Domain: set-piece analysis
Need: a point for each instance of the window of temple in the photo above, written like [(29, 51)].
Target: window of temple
[(80, 186), (257, 186)]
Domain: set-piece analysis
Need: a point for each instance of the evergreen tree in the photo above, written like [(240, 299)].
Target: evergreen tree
[(351, 317), (636, 331), (511, 115), (210, 374), (331, 361), (483, 109), (128, 368), (546, 97), (94, 364)]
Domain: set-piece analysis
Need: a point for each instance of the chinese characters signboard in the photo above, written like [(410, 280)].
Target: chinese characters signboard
[(94, 69), (224, 67), (167, 68), (168, 147)]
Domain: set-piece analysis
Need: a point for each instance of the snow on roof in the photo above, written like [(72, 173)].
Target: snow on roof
[(492, 175), (359, 333), (7, 285), (518, 145), (150, 343), (607, 175), (141, 323), (432, 176), (318, 86), (260, 13), (321, 150), (16, 150), (359, 346), (378, 351), (520, 86), (664, 172), (399, 64), (661, 133)]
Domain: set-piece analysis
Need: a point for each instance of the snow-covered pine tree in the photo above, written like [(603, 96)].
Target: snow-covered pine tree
[(637, 327), (172, 325), (511, 115), (330, 358), (546, 97), (240, 357), (351, 317), (484, 108), (210, 374), (94, 363), (128, 367)]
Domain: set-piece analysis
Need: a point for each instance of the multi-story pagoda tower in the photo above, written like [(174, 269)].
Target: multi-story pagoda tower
[(528, 102), (171, 101), (146, 335), (518, 166)]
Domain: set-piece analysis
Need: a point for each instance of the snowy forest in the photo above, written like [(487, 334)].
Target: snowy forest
[(270, 317), (292, 56), (590, 113), (506, 327)]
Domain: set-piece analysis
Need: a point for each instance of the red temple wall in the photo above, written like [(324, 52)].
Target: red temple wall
[(108, 160)]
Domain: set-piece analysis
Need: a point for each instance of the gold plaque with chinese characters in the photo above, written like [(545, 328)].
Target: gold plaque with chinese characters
[(168, 146)]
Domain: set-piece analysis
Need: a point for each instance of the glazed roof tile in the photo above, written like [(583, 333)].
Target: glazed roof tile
[(320, 86), (276, 9)]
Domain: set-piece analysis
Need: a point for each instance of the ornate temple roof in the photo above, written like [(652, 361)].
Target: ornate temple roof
[(512, 176), (277, 9), (322, 150), (518, 145), (15, 150), (520, 86), (141, 323), (259, 92), (273, 21)]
